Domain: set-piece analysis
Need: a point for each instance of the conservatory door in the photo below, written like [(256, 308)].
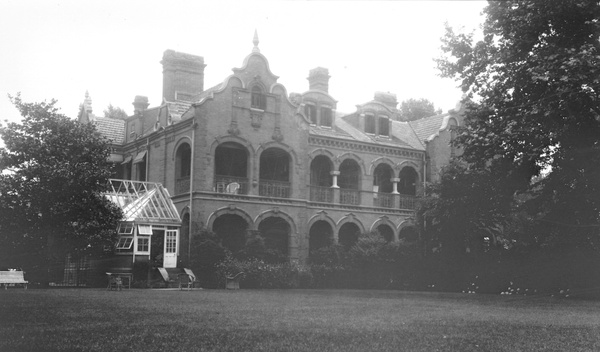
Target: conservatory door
[(170, 258)]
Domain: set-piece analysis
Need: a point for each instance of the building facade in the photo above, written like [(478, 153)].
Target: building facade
[(246, 157)]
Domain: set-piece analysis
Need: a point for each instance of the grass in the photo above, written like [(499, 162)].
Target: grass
[(291, 320)]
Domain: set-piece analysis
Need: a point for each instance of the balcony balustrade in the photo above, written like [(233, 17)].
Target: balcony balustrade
[(321, 194), (275, 189), (350, 196), (383, 200), (407, 202), (182, 185), (222, 183)]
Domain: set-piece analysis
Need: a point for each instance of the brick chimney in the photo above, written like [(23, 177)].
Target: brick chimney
[(140, 103), (183, 75), (388, 99), (318, 79)]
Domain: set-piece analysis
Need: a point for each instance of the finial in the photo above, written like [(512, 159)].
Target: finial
[(255, 41), (87, 103)]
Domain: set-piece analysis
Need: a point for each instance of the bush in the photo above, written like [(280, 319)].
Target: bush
[(259, 274)]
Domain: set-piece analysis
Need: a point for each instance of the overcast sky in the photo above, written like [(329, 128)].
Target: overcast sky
[(61, 49)]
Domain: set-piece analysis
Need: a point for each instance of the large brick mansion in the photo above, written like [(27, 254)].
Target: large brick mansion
[(246, 156)]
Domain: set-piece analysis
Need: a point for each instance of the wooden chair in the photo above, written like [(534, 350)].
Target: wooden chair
[(185, 281), (115, 282), (232, 282)]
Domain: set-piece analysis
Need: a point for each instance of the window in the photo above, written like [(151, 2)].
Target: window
[(144, 229), (125, 228), (370, 124), (259, 100), (125, 243), (326, 116), (143, 244), (311, 113), (384, 126)]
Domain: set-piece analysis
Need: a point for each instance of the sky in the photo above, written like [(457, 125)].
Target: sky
[(55, 49)]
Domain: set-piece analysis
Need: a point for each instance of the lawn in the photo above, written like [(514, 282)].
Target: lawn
[(291, 320)]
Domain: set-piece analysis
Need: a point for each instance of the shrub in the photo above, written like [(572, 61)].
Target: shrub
[(259, 274)]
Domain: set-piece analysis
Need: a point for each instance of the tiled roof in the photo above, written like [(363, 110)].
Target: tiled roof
[(427, 126), (112, 129), (177, 109), (396, 139), (404, 132)]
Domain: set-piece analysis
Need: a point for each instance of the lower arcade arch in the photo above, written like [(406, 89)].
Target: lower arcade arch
[(320, 235), (231, 229), (276, 233), (348, 234)]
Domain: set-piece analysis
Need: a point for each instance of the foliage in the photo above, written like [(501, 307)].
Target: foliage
[(115, 112), (534, 80), (206, 253), (414, 109), (259, 274), (54, 171)]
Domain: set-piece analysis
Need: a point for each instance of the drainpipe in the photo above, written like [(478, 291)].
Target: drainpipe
[(194, 124), (147, 158)]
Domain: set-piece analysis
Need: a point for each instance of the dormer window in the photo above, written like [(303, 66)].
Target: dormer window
[(311, 113), (258, 98), (384, 126), (370, 124), (326, 116)]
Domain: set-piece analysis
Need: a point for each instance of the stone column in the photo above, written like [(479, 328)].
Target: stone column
[(335, 187)]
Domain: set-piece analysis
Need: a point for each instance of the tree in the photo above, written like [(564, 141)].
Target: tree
[(414, 109), (115, 112), (54, 171), (534, 81)]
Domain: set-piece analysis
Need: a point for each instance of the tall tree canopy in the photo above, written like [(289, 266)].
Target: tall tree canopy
[(534, 79), (115, 112), (54, 171), (414, 109)]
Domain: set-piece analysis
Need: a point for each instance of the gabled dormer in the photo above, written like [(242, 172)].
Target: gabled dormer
[(316, 104)]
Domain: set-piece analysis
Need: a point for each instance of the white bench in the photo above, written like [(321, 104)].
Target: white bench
[(12, 277)]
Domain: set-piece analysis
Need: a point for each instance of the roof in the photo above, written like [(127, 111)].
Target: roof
[(428, 126), (145, 202), (404, 132), (112, 129)]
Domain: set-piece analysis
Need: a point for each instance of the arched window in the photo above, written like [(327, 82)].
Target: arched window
[(274, 175), (258, 98), (231, 167), (183, 164)]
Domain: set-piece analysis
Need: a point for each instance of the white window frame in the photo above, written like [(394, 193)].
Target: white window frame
[(145, 230), (137, 243), (124, 243), (125, 228)]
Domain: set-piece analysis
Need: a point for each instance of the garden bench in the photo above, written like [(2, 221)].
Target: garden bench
[(232, 282), (13, 277)]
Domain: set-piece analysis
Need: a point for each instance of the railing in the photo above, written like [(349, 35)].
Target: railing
[(276, 189), (350, 196), (407, 201), (221, 183), (321, 194), (182, 185), (383, 200)]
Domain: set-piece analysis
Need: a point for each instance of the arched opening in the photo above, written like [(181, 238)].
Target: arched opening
[(348, 235), (231, 168), (320, 179), (231, 229), (320, 236), (274, 173), (349, 182), (383, 186), (386, 232), (408, 181), (183, 168), (275, 232), (408, 234)]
